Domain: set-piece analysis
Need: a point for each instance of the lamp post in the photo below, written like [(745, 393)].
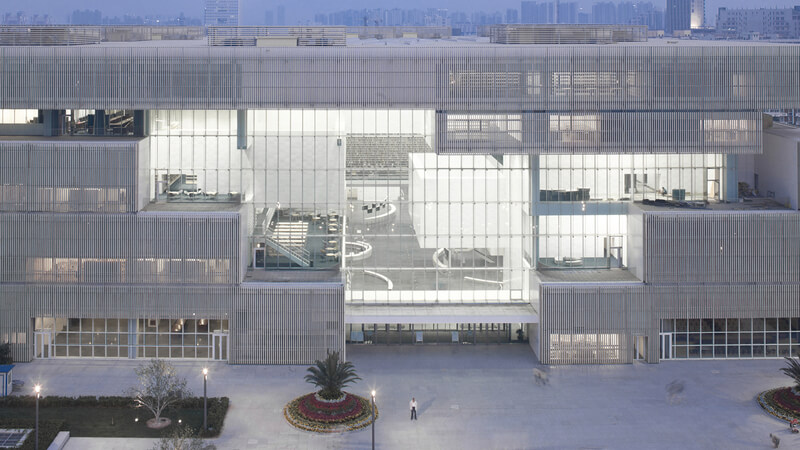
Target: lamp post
[(373, 419), (205, 399), (37, 389)]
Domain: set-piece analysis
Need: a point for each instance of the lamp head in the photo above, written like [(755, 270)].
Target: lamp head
[(373, 393), (205, 371), (37, 388)]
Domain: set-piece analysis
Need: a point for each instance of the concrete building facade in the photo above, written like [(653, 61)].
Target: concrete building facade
[(266, 205)]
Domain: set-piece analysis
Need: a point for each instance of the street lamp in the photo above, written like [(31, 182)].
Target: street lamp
[(205, 399), (373, 419), (37, 389)]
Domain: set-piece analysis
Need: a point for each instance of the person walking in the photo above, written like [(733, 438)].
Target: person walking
[(413, 406)]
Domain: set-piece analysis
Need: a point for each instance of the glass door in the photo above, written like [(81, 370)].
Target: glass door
[(219, 349), (666, 345), (43, 344), (640, 348)]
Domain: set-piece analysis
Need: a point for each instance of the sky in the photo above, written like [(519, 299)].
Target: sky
[(253, 10)]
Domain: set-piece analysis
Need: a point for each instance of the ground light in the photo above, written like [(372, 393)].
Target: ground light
[(205, 398), (373, 419), (37, 389)]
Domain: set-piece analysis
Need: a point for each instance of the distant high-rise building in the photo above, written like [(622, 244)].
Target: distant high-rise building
[(604, 12), (280, 13), (697, 14), (533, 12), (393, 17), (86, 17), (528, 11), (567, 12), (512, 15), (781, 23), (222, 13), (677, 16)]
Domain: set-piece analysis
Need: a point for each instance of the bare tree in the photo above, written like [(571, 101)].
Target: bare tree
[(159, 386), (182, 438)]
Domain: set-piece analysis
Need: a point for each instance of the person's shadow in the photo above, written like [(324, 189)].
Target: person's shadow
[(424, 406)]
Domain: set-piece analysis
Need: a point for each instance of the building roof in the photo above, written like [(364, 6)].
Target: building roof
[(6, 368), (587, 276), (467, 41)]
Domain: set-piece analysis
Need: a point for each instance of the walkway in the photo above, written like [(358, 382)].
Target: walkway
[(473, 397)]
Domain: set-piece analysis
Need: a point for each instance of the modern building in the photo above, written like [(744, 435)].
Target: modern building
[(684, 15), (262, 204), (779, 23), (221, 13)]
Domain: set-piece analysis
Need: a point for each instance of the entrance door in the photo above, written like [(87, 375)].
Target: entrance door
[(640, 348), (219, 349), (666, 345), (42, 344)]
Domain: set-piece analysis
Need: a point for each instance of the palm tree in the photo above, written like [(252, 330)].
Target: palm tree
[(792, 371), (331, 375)]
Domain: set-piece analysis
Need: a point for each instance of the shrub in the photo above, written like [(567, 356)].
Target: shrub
[(792, 370), (5, 354), (47, 431), (331, 375)]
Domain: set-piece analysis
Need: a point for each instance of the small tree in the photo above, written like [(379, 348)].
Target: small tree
[(159, 386), (5, 354), (331, 375), (792, 370), (182, 438)]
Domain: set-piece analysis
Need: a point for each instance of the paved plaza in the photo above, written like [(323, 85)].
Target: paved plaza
[(472, 397)]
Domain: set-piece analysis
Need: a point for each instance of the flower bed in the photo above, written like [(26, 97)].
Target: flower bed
[(310, 413), (782, 403)]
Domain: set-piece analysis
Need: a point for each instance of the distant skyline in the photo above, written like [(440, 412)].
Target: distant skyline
[(253, 11)]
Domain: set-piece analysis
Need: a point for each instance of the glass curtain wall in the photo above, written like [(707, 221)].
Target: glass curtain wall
[(581, 205), (123, 338), (768, 337)]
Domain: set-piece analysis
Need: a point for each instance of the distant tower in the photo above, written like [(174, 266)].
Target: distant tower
[(678, 14), (698, 13), (280, 12), (222, 13)]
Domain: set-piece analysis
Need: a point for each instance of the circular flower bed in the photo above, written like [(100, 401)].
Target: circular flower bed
[(313, 413), (782, 403)]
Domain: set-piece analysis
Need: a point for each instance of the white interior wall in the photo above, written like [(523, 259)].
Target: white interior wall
[(578, 236), (18, 116), (604, 175), (634, 243), (295, 157), (778, 167)]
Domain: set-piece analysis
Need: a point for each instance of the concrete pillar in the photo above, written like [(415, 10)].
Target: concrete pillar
[(241, 129), (133, 331), (139, 126), (730, 179), (53, 122), (535, 192), (100, 122)]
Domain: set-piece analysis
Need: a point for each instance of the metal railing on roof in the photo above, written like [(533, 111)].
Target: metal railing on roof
[(420, 32), (566, 34), (45, 35), (19, 35), (305, 36)]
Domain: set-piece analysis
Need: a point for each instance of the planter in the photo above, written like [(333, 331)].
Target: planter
[(782, 403), (313, 413)]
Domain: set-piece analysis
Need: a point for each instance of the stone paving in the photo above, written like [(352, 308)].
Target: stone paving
[(472, 397)]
